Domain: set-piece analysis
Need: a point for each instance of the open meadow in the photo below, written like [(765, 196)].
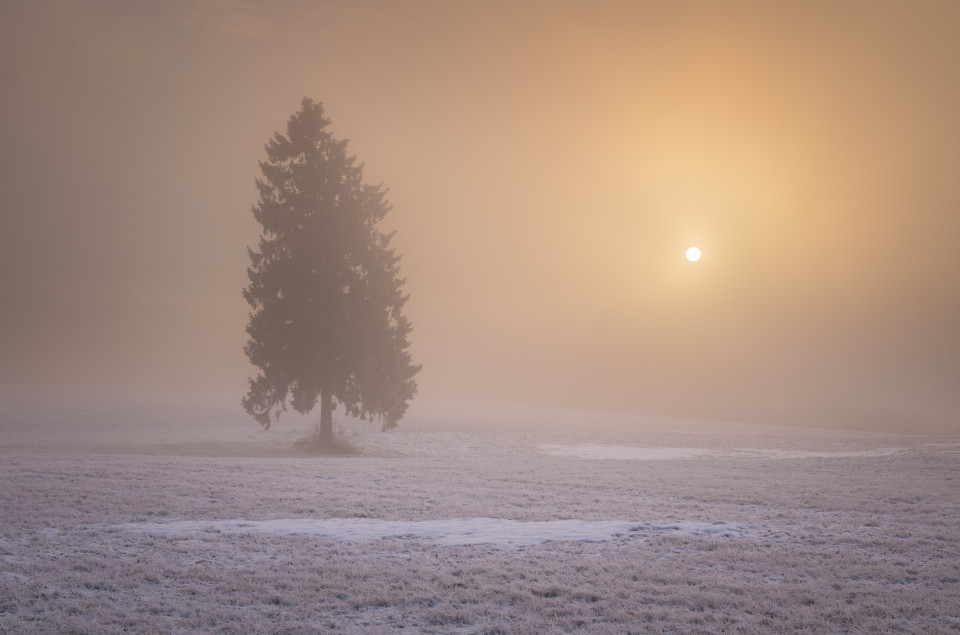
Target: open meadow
[(160, 514)]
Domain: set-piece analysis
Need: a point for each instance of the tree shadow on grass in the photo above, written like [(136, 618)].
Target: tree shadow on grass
[(338, 445)]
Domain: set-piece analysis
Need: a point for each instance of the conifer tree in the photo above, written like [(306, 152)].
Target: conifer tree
[(327, 322)]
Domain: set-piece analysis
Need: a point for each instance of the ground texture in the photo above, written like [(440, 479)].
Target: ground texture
[(825, 531)]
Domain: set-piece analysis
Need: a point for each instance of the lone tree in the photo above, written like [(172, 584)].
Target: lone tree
[(327, 301)]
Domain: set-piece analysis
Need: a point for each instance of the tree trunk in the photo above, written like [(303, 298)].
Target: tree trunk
[(325, 436)]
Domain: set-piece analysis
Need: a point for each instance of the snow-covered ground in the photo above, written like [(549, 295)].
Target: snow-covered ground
[(168, 514)]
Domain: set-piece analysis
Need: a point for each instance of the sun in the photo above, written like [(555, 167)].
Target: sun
[(693, 254)]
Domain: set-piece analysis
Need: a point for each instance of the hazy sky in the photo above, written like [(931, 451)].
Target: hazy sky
[(549, 162)]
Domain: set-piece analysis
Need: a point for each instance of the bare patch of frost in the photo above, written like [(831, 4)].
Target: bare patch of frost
[(450, 532), (631, 453), (810, 454)]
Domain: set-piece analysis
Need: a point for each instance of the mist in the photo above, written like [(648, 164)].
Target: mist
[(548, 164)]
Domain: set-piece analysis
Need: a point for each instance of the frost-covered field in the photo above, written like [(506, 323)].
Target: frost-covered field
[(152, 514)]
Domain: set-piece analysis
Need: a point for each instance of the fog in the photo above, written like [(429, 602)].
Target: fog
[(548, 163)]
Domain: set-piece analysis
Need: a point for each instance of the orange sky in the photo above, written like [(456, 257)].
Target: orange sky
[(548, 162)]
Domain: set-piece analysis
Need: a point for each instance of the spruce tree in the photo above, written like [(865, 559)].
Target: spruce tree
[(327, 322)]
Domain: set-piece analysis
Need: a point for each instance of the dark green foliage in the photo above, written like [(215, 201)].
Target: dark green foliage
[(326, 297)]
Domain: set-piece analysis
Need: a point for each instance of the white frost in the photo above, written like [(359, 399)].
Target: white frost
[(456, 531), (631, 453), (811, 454), (622, 452)]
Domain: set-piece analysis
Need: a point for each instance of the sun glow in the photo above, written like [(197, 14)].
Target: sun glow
[(693, 254)]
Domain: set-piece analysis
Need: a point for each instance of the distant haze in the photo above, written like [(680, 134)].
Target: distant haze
[(549, 163)]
